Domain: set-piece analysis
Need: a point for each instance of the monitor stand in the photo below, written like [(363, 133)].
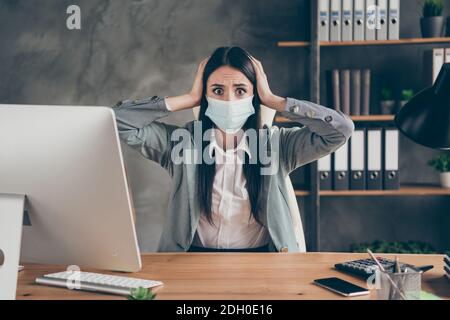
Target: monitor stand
[(11, 219)]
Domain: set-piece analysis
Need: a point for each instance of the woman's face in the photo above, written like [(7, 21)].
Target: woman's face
[(227, 83)]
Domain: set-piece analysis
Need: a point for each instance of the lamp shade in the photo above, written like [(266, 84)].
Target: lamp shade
[(425, 119)]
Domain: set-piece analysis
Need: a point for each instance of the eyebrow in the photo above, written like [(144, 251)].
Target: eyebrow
[(234, 85)]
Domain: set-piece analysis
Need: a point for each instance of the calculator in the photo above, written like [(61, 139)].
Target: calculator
[(366, 267)]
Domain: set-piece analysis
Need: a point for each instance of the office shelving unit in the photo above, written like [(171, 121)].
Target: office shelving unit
[(405, 190), (313, 192), (366, 43)]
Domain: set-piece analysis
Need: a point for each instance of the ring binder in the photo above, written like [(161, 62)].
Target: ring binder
[(374, 180), (357, 160)]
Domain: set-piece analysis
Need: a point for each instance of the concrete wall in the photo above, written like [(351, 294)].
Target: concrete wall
[(133, 49)]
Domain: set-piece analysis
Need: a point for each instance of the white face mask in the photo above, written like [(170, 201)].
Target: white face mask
[(229, 116)]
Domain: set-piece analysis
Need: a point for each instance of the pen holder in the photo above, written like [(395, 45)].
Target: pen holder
[(409, 283)]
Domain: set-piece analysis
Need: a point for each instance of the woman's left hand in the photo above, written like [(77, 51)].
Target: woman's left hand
[(265, 94)]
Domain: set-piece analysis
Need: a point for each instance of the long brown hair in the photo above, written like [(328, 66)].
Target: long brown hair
[(237, 58)]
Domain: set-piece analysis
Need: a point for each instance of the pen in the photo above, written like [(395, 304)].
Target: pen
[(397, 266)]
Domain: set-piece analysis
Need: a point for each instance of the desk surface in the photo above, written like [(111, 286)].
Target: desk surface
[(265, 276)]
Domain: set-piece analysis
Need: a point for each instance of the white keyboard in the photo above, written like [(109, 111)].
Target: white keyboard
[(96, 282)]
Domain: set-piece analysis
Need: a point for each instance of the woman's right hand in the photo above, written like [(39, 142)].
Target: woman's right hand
[(193, 98), (197, 87)]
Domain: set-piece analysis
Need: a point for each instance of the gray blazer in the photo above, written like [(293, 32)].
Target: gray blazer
[(322, 132)]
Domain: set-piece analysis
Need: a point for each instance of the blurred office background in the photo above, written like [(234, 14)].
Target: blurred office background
[(139, 48)]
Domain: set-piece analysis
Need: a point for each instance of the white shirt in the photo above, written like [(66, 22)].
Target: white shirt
[(234, 225)]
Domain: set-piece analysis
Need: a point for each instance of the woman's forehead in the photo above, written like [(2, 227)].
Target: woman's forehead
[(227, 75)]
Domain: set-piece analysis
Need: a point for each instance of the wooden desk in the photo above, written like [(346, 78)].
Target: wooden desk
[(266, 276)]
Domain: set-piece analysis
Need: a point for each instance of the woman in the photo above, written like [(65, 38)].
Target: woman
[(230, 203)]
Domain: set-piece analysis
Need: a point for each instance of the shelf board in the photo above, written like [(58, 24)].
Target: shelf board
[(302, 193), (293, 43), (281, 119), (405, 190), (366, 42), (374, 117), (385, 42)]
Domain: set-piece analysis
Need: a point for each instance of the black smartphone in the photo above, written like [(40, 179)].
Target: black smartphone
[(342, 287)]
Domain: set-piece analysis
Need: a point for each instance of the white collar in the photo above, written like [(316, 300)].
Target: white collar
[(242, 145)]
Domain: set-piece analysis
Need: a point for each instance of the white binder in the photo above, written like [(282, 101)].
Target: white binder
[(374, 180), (359, 18), (391, 149), (341, 158), (324, 20), (382, 19), (371, 20), (438, 61), (357, 160), (394, 20), (335, 20), (390, 172), (324, 167), (434, 59), (357, 150), (447, 55), (347, 20), (341, 181)]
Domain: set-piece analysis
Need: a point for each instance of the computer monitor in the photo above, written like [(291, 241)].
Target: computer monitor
[(67, 161)]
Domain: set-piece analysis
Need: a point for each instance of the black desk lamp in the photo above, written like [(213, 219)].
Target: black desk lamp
[(425, 119)]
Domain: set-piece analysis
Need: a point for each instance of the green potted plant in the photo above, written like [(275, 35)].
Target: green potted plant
[(387, 104), (141, 294), (442, 164), (432, 22), (407, 94)]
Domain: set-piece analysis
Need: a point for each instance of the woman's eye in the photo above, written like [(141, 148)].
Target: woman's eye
[(240, 91), (218, 91)]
